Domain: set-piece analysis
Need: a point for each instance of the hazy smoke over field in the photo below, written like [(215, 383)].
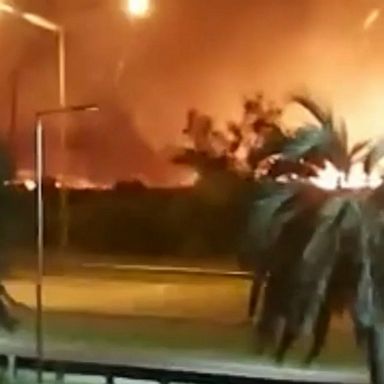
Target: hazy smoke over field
[(206, 54)]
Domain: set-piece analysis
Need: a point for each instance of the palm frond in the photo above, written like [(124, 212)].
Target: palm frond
[(277, 204), (272, 262), (337, 299), (358, 147), (305, 140), (365, 309), (274, 303), (374, 155), (275, 208), (323, 115), (342, 131), (369, 306), (257, 283), (307, 297), (269, 216), (336, 149), (286, 341), (320, 331), (315, 145), (332, 140), (303, 281), (314, 273), (375, 353)]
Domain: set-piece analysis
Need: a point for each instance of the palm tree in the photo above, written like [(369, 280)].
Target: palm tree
[(317, 251)]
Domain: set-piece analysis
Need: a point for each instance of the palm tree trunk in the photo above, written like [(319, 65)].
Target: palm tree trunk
[(375, 351), (254, 295)]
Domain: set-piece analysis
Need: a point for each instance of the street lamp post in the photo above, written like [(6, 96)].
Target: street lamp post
[(47, 25), (59, 31), (39, 172), (63, 210), (136, 9)]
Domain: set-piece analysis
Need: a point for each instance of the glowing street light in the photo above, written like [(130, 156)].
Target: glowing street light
[(138, 8)]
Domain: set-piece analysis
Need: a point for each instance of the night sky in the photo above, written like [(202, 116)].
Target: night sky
[(207, 54)]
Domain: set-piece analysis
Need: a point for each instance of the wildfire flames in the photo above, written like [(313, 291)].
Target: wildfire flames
[(26, 179), (331, 178)]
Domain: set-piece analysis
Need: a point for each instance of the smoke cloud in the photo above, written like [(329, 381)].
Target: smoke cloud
[(189, 53)]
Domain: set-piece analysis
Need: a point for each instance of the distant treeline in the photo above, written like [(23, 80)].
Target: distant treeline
[(133, 219)]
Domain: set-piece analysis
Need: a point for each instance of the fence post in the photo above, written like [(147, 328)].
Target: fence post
[(60, 371), (11, 367)]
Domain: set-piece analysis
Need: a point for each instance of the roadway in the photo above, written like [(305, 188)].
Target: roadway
[(169, 318), (141, 293)]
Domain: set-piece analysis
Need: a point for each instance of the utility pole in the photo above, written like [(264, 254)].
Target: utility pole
[(64, 197), (12, 129)]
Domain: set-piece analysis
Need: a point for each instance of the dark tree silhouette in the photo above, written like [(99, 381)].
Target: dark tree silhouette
[(241, 147), (248, 149), (318, 252)]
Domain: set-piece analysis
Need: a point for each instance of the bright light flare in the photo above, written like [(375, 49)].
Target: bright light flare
[(371, 19), (190, 180), (30, 185), (138, 8), (330, 178), (31, 18), (7, 8), (41, 22)]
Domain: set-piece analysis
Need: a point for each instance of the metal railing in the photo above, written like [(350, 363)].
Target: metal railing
[(111, 373)]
